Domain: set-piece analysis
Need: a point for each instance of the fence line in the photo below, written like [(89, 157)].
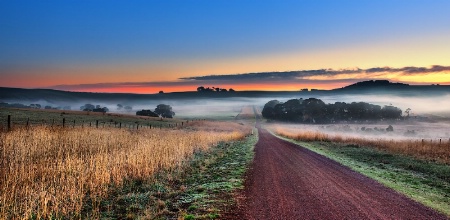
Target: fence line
[(119, 125)]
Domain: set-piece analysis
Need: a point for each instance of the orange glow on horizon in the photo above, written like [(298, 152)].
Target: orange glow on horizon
[(239, 87)]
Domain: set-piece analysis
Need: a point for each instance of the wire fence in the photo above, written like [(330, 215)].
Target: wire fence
[(65, 123)]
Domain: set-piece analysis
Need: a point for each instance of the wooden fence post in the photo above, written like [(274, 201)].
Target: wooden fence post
[(96, 124), (120, 125), (73, 123), (28, 122), (9, 122), (64, 122)]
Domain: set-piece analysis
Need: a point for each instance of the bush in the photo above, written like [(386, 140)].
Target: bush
[(147, 113)]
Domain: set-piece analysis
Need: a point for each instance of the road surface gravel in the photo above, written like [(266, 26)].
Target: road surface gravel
[(286, 181)]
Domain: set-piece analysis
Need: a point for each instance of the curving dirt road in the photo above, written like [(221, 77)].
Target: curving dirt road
[(290, 182)]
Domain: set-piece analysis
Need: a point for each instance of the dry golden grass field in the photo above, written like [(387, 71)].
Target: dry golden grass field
[(53, 172), (429, 149)]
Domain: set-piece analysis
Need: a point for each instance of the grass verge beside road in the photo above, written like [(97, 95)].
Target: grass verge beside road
[(424, 181), (203, 189)]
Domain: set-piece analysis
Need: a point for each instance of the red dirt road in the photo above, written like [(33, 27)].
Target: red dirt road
[(289, 182)]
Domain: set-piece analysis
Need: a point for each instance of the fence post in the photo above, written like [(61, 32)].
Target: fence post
[(9, 122), (73, 123), (137, 127), (53, 122), (64, 122), (120, 125), (28, 122), (96, 124)]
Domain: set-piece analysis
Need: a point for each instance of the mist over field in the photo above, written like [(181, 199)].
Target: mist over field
[(411, 130), (227, 107)]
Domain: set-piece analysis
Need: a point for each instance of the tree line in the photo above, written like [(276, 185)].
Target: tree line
[(314, 110), (213, 89), (161, 110)]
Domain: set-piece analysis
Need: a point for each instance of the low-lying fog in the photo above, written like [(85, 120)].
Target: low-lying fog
[(229, 107), (401, 131)]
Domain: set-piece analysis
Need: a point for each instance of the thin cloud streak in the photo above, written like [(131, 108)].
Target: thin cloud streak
[(304, 74)]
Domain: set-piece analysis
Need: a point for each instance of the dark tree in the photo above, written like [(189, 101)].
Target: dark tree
[(147, 113), (213, 89), (203, 89), (314, 110), (87, 107), (268, 110), (391, 112), (407, 111), (200, 89), (164, 111), (104, 109), (390, 128)]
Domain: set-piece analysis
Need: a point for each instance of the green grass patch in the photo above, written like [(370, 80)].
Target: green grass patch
[(424, 181), (202, 188)]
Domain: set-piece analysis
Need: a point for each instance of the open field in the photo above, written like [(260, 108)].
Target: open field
[(55, 172), (189, 171), (430, 146)]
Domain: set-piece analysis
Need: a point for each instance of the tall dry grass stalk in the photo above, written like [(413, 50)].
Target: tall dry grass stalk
[(48, 173), (426, 149)]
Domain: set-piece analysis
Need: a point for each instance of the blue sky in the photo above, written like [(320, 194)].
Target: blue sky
[(151, 38)]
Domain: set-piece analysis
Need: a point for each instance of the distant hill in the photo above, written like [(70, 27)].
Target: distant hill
[(372, 87), (399, 89), (376, 84)]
